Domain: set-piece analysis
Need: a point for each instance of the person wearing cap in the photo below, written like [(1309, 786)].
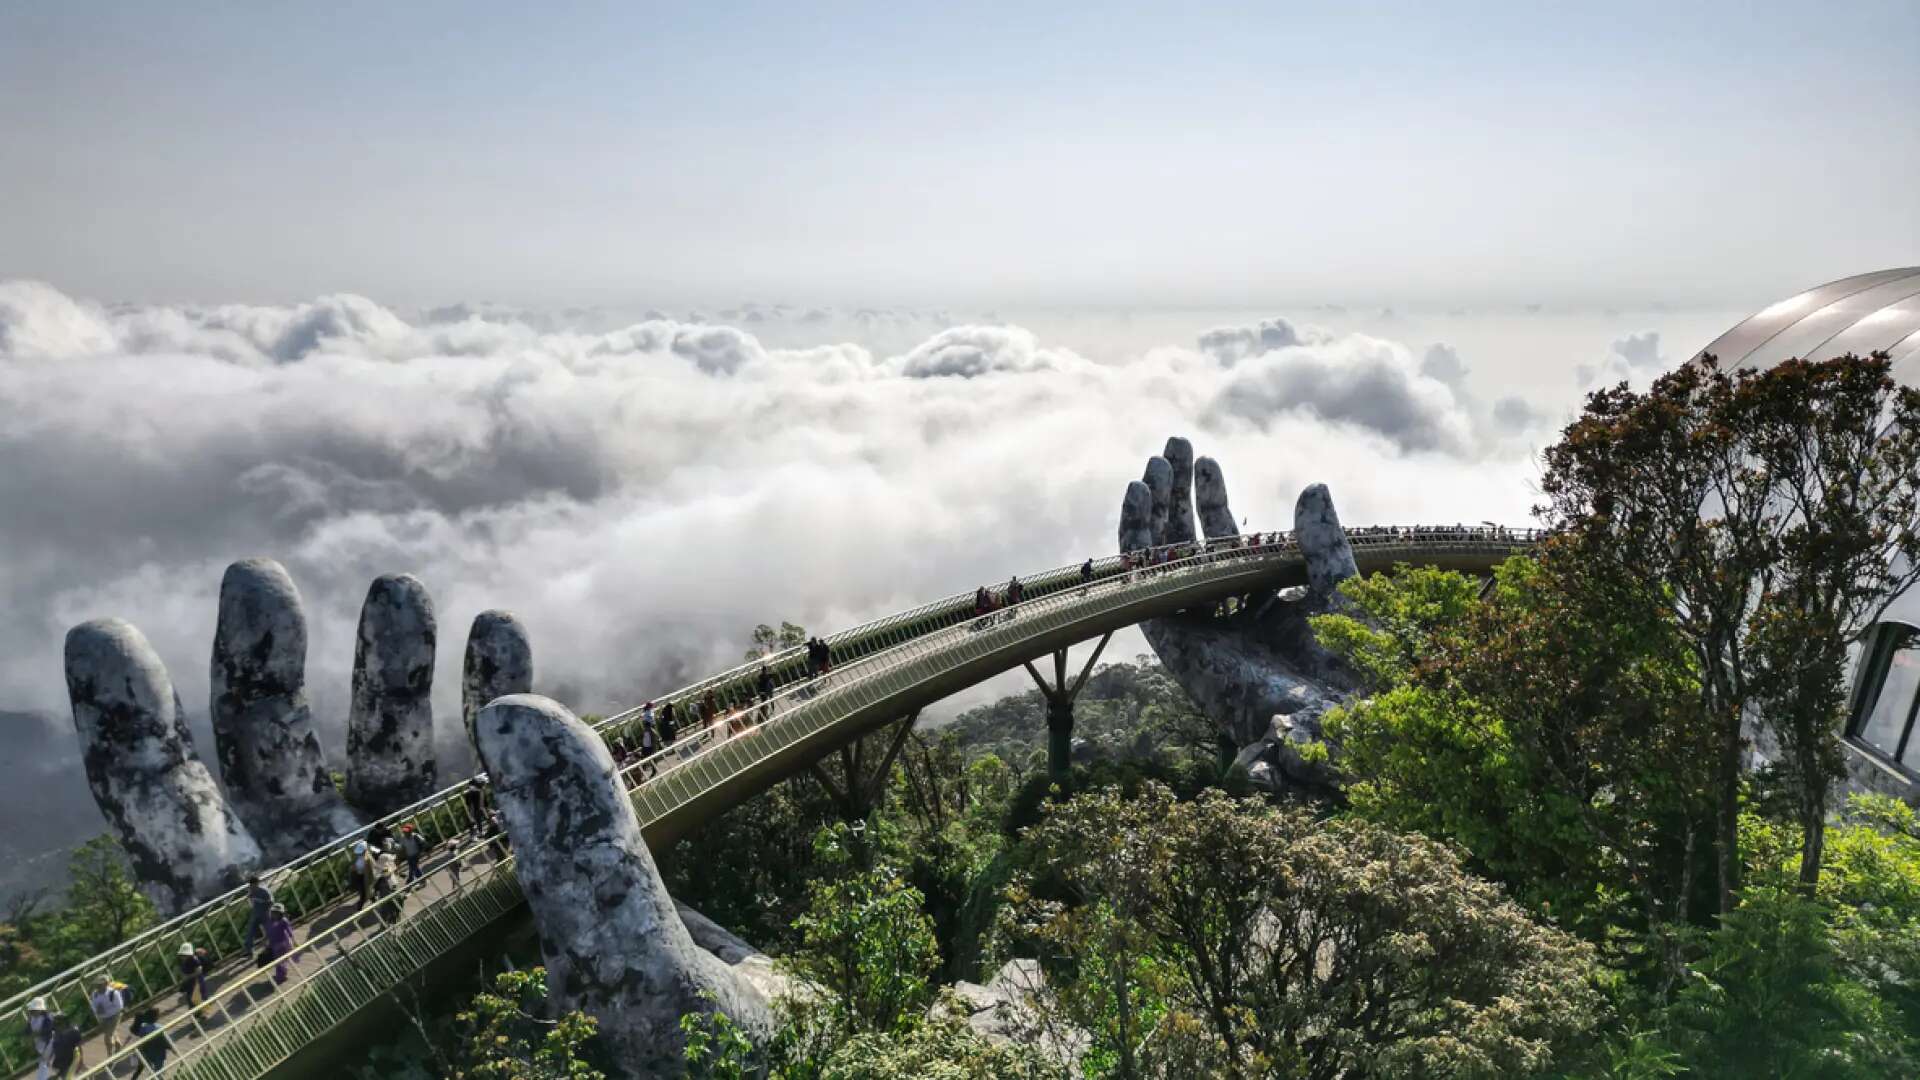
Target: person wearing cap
[(259, 899), (193, 973), (40, 1027), (279, 941), (109, 1000), (412, 846)]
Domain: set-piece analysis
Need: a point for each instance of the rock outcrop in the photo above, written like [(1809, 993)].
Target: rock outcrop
[(1259, 673), (184, 842), (614, 944), (499, 662), (390, 755), (270, 758)]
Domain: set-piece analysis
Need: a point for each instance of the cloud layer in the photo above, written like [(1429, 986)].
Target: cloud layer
[(643, 493)]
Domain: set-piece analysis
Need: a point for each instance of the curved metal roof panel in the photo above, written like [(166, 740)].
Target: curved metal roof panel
[(1861, 314)]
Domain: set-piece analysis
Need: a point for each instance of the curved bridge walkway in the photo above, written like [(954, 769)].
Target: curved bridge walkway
[(348, 958)]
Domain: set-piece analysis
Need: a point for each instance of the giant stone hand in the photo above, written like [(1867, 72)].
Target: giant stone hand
[(187, 840), (1258, 672)]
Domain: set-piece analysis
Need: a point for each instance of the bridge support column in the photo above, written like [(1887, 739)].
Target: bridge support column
[(861, 790), (1059, 698)]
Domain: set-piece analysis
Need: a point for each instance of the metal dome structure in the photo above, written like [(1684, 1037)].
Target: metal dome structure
[(1878, 312)]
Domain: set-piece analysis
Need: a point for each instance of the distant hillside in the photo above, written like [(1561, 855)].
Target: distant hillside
[(43, 799)]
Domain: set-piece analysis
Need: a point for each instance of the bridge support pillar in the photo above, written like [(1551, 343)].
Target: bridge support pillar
[(861, 789), (1059, 696)]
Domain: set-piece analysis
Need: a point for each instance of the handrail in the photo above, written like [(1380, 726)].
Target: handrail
[(882, 644)]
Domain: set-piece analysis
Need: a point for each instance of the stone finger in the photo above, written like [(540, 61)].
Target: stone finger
[(1179, 455), (499, 662), (270, 758), (390, 753), (1159, 481), (1323, 542), (1136, 518), (184, 842), (614, 944), (1210, 499)]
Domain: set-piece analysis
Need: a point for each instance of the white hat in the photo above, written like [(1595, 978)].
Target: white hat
[(359, 846), (38, 1004), (186, 948)]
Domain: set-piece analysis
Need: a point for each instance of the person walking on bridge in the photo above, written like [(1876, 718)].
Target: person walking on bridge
[(279, 941), (649, 743), (193, 974), (669, 730), (108, 1002), (40, 1030), (259, 899), (412, 847), (65, 1054), (474, 799), (764, 684), (1015, 591), (1086, 572), (153, 1044)]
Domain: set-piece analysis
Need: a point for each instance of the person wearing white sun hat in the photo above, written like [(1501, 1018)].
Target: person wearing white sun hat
[(40, 1026), (193, 973)]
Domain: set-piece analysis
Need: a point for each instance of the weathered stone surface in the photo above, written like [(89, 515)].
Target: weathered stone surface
[(499, 662), (1179, 456), (390, 757), (1323, 541), (748, 963), (184, 843), (1210, 500), (614, 944), (1159, 481), (270, 757), (1003, 1011), (1262, 662), (1136, 518)]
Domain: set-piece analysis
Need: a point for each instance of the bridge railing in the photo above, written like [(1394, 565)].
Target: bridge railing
[(321, 878)]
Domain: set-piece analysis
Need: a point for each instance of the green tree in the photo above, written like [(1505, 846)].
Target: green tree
[(767, 640), (1300, 947), (1778, 511), (1552, 729), (510, 1037), (864, 942)]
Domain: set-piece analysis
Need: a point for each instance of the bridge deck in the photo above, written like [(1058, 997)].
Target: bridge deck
[(347, 959)]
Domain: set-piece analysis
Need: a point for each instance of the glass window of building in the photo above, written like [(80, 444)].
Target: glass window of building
[(1886, 718)]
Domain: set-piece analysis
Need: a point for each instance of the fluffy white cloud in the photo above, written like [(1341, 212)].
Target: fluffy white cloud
[(1635, 359), (643, 493), (1360, 381)]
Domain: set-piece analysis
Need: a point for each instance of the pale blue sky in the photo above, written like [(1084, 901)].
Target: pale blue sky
[(958, 154)]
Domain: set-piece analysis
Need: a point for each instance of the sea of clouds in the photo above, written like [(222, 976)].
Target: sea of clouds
[(642, 490)]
